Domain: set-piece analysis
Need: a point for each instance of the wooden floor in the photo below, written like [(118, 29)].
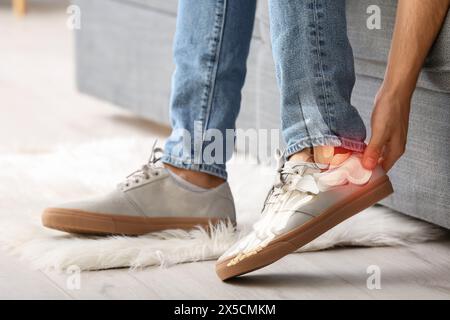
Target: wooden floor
[(420, 272), (40, 110)]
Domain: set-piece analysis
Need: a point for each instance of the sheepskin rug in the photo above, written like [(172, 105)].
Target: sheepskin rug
[(32, 181)]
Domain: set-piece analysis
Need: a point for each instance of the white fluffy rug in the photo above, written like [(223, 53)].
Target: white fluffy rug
[(30, 182)]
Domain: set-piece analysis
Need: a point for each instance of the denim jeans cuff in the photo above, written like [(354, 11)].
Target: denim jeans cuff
[(212, 169), (353, 145)]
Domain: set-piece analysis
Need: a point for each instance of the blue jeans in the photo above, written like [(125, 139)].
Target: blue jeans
[(314, 69)]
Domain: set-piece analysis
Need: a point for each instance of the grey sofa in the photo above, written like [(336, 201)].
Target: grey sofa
[(123, 55)]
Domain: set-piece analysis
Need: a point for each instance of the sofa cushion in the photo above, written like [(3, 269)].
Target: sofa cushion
[(164, 6), (420, 177), (371, 47)]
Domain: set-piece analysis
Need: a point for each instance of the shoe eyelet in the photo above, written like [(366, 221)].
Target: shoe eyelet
[(137, 181), (156, 173)]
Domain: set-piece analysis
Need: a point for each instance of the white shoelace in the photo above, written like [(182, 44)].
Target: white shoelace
[(288, 174), (150, 169)]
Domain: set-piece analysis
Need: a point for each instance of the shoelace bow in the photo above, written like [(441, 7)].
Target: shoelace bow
[(285, 182), (148, 170)]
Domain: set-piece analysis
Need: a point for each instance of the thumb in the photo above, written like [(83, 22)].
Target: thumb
[(373, 151)]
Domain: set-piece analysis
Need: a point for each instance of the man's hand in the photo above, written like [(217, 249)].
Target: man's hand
[(416, 26), (389, 131)]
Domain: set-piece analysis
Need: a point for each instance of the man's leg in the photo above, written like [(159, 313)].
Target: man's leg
[(314, 65), (314, 191), (211, 48)]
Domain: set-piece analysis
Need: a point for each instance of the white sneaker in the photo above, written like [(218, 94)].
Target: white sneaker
[(306, 201)]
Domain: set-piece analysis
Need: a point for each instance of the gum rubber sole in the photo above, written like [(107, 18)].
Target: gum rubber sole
[(77, 221), (287, 243)]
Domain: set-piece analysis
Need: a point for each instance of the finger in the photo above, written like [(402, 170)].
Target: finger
[(393, 152), (374, 151)]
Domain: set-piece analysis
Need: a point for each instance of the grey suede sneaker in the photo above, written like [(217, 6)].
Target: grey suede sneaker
[(149, 200), (306, 200)]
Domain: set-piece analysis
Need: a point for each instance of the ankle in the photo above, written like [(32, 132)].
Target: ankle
[(200, 179), (327, 155), (305, 155), (323, 154)]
